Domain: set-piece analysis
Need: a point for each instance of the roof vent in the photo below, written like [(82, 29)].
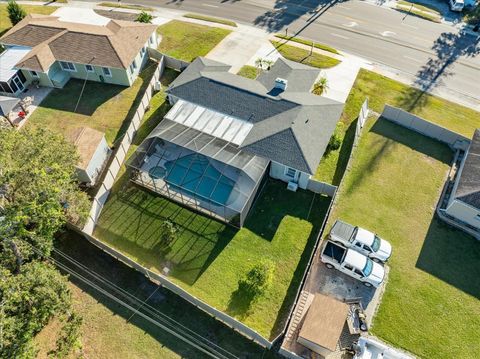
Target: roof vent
[(281, 84)]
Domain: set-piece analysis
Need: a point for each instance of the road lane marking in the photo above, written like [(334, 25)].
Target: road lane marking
[(340, 36), (413, 59), (344, 7), (387, 33), (410, 26), (209, 5), (351, 24)]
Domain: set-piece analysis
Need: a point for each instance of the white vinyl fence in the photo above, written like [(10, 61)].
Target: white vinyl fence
[(429, 129), (121, 152)]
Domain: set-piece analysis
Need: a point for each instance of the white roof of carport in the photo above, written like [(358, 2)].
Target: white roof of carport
[(214, 123)]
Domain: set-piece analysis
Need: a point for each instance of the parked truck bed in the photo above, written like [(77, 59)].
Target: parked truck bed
[(334, 251), (342, 230)]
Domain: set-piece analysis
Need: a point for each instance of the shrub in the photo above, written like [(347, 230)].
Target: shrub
[(169, 232), (257, 280), (144, 17), (15, 12), (321, 86), (69, 337), (337, 138)]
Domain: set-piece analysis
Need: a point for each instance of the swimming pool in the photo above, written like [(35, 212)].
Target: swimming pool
[(194, 174)]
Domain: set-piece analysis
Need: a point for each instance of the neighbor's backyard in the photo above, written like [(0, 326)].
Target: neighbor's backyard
[(104, 107), (431, 305), (381, 90), (5, 23)]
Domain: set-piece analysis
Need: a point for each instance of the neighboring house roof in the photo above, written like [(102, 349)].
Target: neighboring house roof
[(113, 45), (323, 323), (292, 127), (468, 189), (86, 140)]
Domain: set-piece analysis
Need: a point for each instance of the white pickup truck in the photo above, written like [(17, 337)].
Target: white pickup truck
[(361, 240), (352, 263)]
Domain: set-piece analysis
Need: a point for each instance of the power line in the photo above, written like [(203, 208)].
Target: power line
[(153, 311), (189, 339)]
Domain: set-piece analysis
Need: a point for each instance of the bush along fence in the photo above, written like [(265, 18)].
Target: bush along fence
[(424, 127), (121, 152), (362, 118)]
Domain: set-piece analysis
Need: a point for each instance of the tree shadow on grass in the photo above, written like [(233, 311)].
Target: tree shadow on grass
[(392, 135), (163, 301), (448, 48), (285, 12), (452, 256)]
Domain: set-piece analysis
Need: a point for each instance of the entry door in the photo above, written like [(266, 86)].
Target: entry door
[(18, 82)]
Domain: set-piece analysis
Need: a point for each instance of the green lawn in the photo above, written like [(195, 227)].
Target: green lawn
[(381, 90), (210, 19), (250, 72), (5, 23), (431, 305), (303, 56), (106, 333), (126, 6), (105, 107), (208, 257), (187, 41), (308, 43)]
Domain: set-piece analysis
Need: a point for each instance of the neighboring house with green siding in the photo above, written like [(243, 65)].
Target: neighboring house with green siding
[(42, 49)]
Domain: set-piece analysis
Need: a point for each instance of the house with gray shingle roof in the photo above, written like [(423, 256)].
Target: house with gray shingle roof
[(464, 202), (45, 50), (224, 132)]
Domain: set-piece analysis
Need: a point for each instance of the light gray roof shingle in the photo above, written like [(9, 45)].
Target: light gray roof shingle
[(292, 127), (468, 189)]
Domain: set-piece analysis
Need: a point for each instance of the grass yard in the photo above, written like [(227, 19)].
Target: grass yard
[(210, 19), (5, 23), (308, 43), (208, 257), (187, 41), (105, 107), (126, 6), (250, 72), (303, 56), (418, 10), (381, 90), (431, 305), (106, 333)]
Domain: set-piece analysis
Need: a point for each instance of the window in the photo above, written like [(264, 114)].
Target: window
[(142, 51), (151, 39), (290, 172), (68, 66), (376, 244), (89, 68), (367, 270), (132, 69), (33, 73), (106, 71)]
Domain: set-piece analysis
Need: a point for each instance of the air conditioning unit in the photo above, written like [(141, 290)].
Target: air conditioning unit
[(157, 86), (292, 186)]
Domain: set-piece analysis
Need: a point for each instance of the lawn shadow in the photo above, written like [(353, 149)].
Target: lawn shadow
[(448, 48), (317, 215), (345, 152), (162, 302), (393, 135), (451, 256), (285, 12), (94, 95)]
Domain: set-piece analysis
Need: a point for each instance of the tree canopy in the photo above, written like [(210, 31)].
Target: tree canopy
[(38, 194)]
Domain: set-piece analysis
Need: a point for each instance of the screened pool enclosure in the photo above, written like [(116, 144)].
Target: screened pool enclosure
[(199, 170)]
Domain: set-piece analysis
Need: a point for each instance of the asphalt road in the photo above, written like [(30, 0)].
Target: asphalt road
[(438, 57)]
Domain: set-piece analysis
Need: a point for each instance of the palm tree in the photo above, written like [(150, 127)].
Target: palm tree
[(321, 86)]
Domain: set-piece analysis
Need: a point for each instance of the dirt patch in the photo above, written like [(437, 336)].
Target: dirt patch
[(117, 15)]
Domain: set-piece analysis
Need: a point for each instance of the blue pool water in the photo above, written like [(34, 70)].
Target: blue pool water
[(193, 174)]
